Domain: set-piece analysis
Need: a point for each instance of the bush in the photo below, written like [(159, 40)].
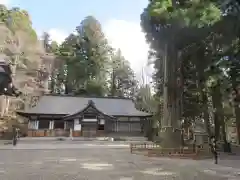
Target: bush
[(6, 136)]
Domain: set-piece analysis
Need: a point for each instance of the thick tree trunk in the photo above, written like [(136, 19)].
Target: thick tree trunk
[(205, 112), (113, 82), (67, 84), (237, 114), (217, 126), (3, 105), (52, 84), (201, 66), (236, 101), (170, 134), (218, 114), (7, 104)]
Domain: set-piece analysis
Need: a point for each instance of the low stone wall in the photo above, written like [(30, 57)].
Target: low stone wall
[(77, 134), (101, 133), (48, 133), (134, 147), (6, 135), (36, 133)]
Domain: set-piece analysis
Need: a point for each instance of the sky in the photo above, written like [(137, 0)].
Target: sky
[(120, 21)]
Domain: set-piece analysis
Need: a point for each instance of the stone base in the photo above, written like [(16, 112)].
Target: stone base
[(47, 133), (77, 134), (170, 137)]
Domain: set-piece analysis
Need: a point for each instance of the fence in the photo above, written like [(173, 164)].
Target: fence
[(143, 146), (151, 149)]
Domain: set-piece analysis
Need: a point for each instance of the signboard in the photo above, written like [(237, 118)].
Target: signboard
[(77, 127), (89, 120)]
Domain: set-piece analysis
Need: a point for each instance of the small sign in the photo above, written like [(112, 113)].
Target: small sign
[(77, 127), (102, 121), (89, 120)]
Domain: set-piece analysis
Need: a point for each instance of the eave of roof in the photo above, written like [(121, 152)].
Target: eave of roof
[(28, 114)]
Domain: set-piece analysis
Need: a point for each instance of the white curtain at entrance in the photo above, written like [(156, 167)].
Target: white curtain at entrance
[(51, 125), (33, 124)]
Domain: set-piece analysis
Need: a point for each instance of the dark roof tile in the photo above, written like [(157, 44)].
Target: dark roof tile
[(71, 104)]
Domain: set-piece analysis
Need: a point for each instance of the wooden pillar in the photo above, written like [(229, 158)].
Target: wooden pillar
[(51, 125), (33, 120), (37, 124), (117, 125), (29, 124), (144, 124), (65, 125), (129, 125)]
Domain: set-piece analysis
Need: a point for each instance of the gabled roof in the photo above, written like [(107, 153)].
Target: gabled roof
[(59, 105), (91, 105)]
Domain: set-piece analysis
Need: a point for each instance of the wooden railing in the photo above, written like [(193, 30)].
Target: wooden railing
[(152, 149), (143, 146), (48, 133)]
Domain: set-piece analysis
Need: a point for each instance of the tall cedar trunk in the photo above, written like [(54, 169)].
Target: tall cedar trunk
[(170, 131), (67, 82), (66, 86), (7, 104), (3, 104), (113, 86), (200, 66), (52, 84), (180, 94), (205, 112), (218, 114), (217, 126), (237, 114), (236, 101)]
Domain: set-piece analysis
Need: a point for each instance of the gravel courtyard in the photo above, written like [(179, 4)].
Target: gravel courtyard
[(103, 163)]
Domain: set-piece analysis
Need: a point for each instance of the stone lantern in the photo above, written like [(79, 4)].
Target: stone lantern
[(200, 135)]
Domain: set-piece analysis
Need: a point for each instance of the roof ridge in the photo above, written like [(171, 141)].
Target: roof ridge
[(82, 96)]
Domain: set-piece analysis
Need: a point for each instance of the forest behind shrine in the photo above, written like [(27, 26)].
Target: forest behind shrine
[(203, 35)]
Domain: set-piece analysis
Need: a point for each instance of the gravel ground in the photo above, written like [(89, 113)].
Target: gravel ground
[(101, 162)]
